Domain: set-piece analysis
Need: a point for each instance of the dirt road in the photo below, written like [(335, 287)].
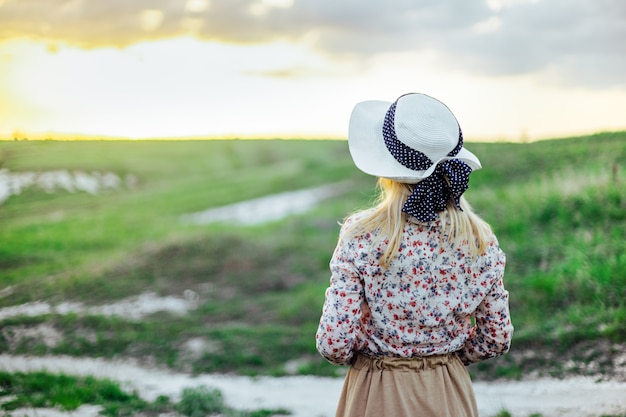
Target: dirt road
[(308, 396)]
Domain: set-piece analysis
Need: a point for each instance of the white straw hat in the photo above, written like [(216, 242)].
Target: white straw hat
[(420, 123)]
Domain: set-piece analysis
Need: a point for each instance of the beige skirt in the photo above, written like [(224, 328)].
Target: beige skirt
[(433, 386)]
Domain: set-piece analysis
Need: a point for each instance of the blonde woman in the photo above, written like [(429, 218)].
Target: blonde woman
[(416, 291)]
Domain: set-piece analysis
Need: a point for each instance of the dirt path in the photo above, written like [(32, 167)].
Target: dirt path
[(309, 396)]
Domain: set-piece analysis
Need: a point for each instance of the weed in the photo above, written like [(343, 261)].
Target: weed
[(202, 401)]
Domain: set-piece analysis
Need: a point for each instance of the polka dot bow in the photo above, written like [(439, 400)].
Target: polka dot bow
[(430, 196)]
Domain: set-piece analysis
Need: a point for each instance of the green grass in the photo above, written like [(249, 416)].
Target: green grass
[(45, 390), (46, 236), (558, 208), (202, 401)]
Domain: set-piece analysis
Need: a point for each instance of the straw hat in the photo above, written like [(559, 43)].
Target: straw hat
[(405, 140)]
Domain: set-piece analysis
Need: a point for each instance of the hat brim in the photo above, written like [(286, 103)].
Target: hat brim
[(370, 154)]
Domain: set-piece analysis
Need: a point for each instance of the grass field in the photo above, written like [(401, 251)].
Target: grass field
[(558, 208)]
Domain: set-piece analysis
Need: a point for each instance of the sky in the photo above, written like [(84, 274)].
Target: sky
[(509, 69)]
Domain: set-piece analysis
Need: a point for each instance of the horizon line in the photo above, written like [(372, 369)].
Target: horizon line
[(53, 136)]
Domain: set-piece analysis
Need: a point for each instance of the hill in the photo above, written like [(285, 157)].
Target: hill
[(104, 224)]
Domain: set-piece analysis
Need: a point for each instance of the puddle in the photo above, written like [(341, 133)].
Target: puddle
[(14, 183), (266, 209), (133, 308)]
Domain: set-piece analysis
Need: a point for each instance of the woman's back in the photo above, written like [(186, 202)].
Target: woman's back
[(423, 302)]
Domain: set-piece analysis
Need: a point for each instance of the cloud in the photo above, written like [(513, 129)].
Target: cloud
[(578, 41)]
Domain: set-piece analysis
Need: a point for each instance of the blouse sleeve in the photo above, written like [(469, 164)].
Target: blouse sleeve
[(339, 326), (491, 336)]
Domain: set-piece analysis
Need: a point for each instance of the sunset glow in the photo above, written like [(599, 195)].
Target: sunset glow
[(295, 68)]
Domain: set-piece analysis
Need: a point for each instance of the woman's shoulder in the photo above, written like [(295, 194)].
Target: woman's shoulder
[(356, 224), (357, 217)]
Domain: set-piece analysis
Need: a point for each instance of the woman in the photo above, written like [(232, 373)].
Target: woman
[(416, 291)]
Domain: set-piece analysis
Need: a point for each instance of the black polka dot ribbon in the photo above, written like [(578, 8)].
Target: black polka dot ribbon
[(430, 196)]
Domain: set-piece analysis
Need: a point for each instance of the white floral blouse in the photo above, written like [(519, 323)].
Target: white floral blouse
[(433, 299)]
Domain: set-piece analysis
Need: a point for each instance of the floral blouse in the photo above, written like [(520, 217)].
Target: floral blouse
[(433, 299)]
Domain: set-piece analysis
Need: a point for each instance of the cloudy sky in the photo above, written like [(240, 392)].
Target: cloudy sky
[(509, 69)]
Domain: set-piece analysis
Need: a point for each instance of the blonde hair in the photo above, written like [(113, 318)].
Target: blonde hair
[(387, 217)]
